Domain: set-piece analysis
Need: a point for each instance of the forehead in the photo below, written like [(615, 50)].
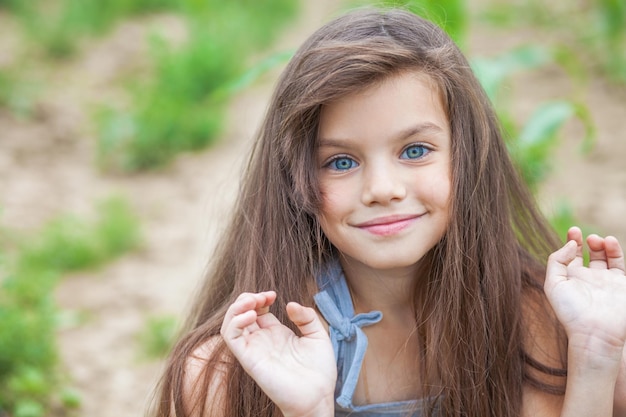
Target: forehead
[(398, 102)]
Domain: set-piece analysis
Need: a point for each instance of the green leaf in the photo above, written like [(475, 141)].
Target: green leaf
[(249, 77), (29, 408), (491, 72), (539, 136), (71, 398), (542, 127)]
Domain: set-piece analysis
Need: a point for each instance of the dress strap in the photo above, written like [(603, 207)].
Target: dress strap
[(348, 330), (346, 334)]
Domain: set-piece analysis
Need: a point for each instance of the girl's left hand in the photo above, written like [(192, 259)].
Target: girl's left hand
[(590, 302)]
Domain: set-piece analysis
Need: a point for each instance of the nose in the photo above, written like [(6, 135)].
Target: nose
[(382, 184)]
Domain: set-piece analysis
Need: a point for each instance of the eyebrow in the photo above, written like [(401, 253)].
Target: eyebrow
[(403, 134)]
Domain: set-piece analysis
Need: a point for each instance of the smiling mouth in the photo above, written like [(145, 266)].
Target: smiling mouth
[(387, 226)]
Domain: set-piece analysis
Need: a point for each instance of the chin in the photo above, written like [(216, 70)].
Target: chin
[(391, 263)]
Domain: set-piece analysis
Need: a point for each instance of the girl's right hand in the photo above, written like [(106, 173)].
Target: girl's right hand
[(298, 373)]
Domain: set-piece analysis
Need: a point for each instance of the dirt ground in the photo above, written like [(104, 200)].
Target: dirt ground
[(47, 168)]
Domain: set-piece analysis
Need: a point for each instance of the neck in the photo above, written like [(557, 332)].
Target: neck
[(389, 291)]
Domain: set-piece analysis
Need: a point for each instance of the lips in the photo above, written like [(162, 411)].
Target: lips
[(388, 225)]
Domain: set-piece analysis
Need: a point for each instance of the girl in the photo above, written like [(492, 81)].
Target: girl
[(384, 258)]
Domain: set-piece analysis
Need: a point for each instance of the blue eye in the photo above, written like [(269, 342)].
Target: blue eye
[(414, 152), (342, 163)]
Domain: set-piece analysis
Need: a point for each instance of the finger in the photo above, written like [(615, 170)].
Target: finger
[(558, 262), (307, 321), (269, 298), (597, 252), (245, 303), (238, 325), (242, 304), (267, 320), (575, 234), (251, 301), (614, 254)]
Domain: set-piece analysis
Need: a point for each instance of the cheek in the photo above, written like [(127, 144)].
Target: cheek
[(325, 214), (444, 198), (441, 200), (439, 191), (443, 194), (332, 202)]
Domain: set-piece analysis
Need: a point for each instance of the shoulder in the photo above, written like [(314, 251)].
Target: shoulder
[(204, 384)]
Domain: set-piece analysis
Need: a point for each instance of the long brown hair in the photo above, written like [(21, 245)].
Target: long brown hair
[(469, 306)]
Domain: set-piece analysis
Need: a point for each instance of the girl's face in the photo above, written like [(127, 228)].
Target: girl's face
[(384, 172)]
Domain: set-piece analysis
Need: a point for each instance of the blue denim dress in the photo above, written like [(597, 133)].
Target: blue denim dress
[(350, 343)]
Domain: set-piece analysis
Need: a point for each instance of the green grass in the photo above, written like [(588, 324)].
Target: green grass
[(16, 94), (611, 24), (494, 71), (30, 380), (57, 27), (451, 15), (532, 143), (539, 137), (594, 30), (9, 5), (69, 243), (158, 336), (176, 110), (180, 107)]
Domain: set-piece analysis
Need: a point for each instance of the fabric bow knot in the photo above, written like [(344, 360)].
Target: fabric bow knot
[(348, 329)]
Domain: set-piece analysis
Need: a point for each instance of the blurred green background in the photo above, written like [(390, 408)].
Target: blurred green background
[(124, 125)]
